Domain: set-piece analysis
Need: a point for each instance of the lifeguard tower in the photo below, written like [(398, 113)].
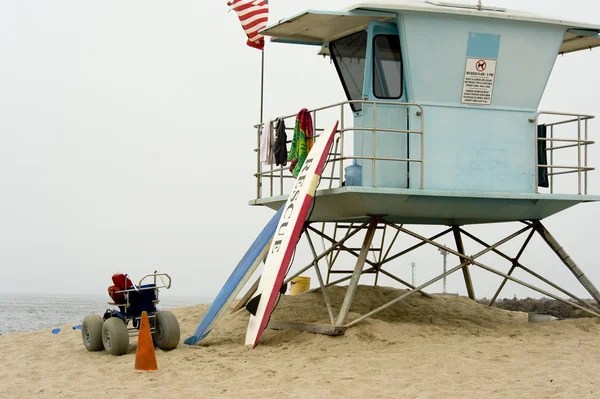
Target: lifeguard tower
[(441, 123)]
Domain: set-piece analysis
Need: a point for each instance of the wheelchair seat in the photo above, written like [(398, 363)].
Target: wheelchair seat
[(143, 300)]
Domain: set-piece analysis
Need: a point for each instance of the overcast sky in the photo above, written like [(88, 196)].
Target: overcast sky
[(126, 143)]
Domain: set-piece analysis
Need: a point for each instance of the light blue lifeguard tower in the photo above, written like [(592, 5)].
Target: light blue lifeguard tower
[(442, 126)]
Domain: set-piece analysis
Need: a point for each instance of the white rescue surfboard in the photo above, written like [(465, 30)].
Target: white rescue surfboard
[(287, 234)]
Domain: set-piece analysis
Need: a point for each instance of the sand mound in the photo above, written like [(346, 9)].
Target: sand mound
[(441, 347)]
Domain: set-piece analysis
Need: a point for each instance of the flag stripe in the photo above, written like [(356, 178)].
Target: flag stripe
[(253, 15)]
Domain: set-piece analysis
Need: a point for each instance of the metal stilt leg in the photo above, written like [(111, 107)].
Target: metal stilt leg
[(320, 277), (364, 252), (466, 273), (566, 259)]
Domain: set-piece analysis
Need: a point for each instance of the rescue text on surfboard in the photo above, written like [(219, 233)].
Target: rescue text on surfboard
[(290, 208)]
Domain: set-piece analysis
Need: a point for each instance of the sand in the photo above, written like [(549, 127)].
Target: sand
[(445, 347)]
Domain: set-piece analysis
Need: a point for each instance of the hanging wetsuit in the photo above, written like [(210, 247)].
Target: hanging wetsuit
[(280, 146)]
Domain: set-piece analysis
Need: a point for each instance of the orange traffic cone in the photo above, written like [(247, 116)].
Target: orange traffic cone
[(145, 357)]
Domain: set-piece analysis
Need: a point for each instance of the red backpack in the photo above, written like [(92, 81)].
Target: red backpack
[(121, 282)]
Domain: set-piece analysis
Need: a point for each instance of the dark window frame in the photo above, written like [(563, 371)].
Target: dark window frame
[(401, 68), (356, 107)]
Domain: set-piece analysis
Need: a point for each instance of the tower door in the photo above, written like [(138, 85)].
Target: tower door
[(384, 84)]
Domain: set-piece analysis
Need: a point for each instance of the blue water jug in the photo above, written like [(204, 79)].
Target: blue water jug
[(354, 174)]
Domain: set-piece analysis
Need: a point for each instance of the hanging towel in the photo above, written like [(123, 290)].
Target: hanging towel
[(302, 141), (280, 146), (306, 125), (266, 144)]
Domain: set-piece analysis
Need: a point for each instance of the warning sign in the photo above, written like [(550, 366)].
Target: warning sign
[(478, 85)]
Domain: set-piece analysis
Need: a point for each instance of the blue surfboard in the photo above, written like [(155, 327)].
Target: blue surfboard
[(236, 281)]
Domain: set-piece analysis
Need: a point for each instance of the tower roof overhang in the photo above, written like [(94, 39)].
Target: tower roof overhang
[(320, 27)]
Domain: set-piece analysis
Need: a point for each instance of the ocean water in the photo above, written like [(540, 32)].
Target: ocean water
[(22, 312)]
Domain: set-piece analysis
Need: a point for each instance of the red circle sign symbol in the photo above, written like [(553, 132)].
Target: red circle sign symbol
[(481, 65)]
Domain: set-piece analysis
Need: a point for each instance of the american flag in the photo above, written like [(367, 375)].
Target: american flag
[(253, 15)]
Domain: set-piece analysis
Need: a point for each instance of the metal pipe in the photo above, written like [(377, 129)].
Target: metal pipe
[(466, 273), (343, 247), (562, 147), (455, 269), (271, 181), (320, 278), (541, 291), (360, 262), (496, 251), (258, 167), (550, 283), (583, 117), (586, 158), (567, 140), (411, 286), (334, 257), (435, 237), (384, 130), (331, 178), (389, 248), (260, 174), (341, 280), (374, 144), (565, 114), (567, 260), (579, 155), (502, 254), (562, 173), (563, 167), (358, 102), (512, 269), (422, 150), (281, 182), (378, 260), (462, 256), (537, 159), (322, 255), (409, 293), (382, 244), (379, 159), (330, 256), (342, 131), (551, 160), (444, 256)]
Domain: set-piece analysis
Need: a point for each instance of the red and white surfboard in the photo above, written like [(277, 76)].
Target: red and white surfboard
[(287, 234)]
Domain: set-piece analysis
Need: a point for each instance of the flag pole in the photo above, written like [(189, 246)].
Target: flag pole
[(262, 83)]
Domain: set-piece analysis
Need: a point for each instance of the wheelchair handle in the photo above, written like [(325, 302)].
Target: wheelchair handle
[(167, 286)]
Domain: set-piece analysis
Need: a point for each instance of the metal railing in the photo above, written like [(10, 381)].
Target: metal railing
[(277, 176), (581, 143)]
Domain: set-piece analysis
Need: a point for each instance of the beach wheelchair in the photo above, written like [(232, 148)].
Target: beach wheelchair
[(112, 331)]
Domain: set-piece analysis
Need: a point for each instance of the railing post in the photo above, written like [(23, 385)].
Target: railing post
[(271, 174), (579, 154), (586, 157), (551, 159), (342, 133), (422, 148), (537, 161), (258, 168), (374, 144)]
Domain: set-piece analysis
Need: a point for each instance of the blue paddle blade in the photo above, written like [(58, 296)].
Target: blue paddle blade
[(194, 339), (56, 331), (232, 285)]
